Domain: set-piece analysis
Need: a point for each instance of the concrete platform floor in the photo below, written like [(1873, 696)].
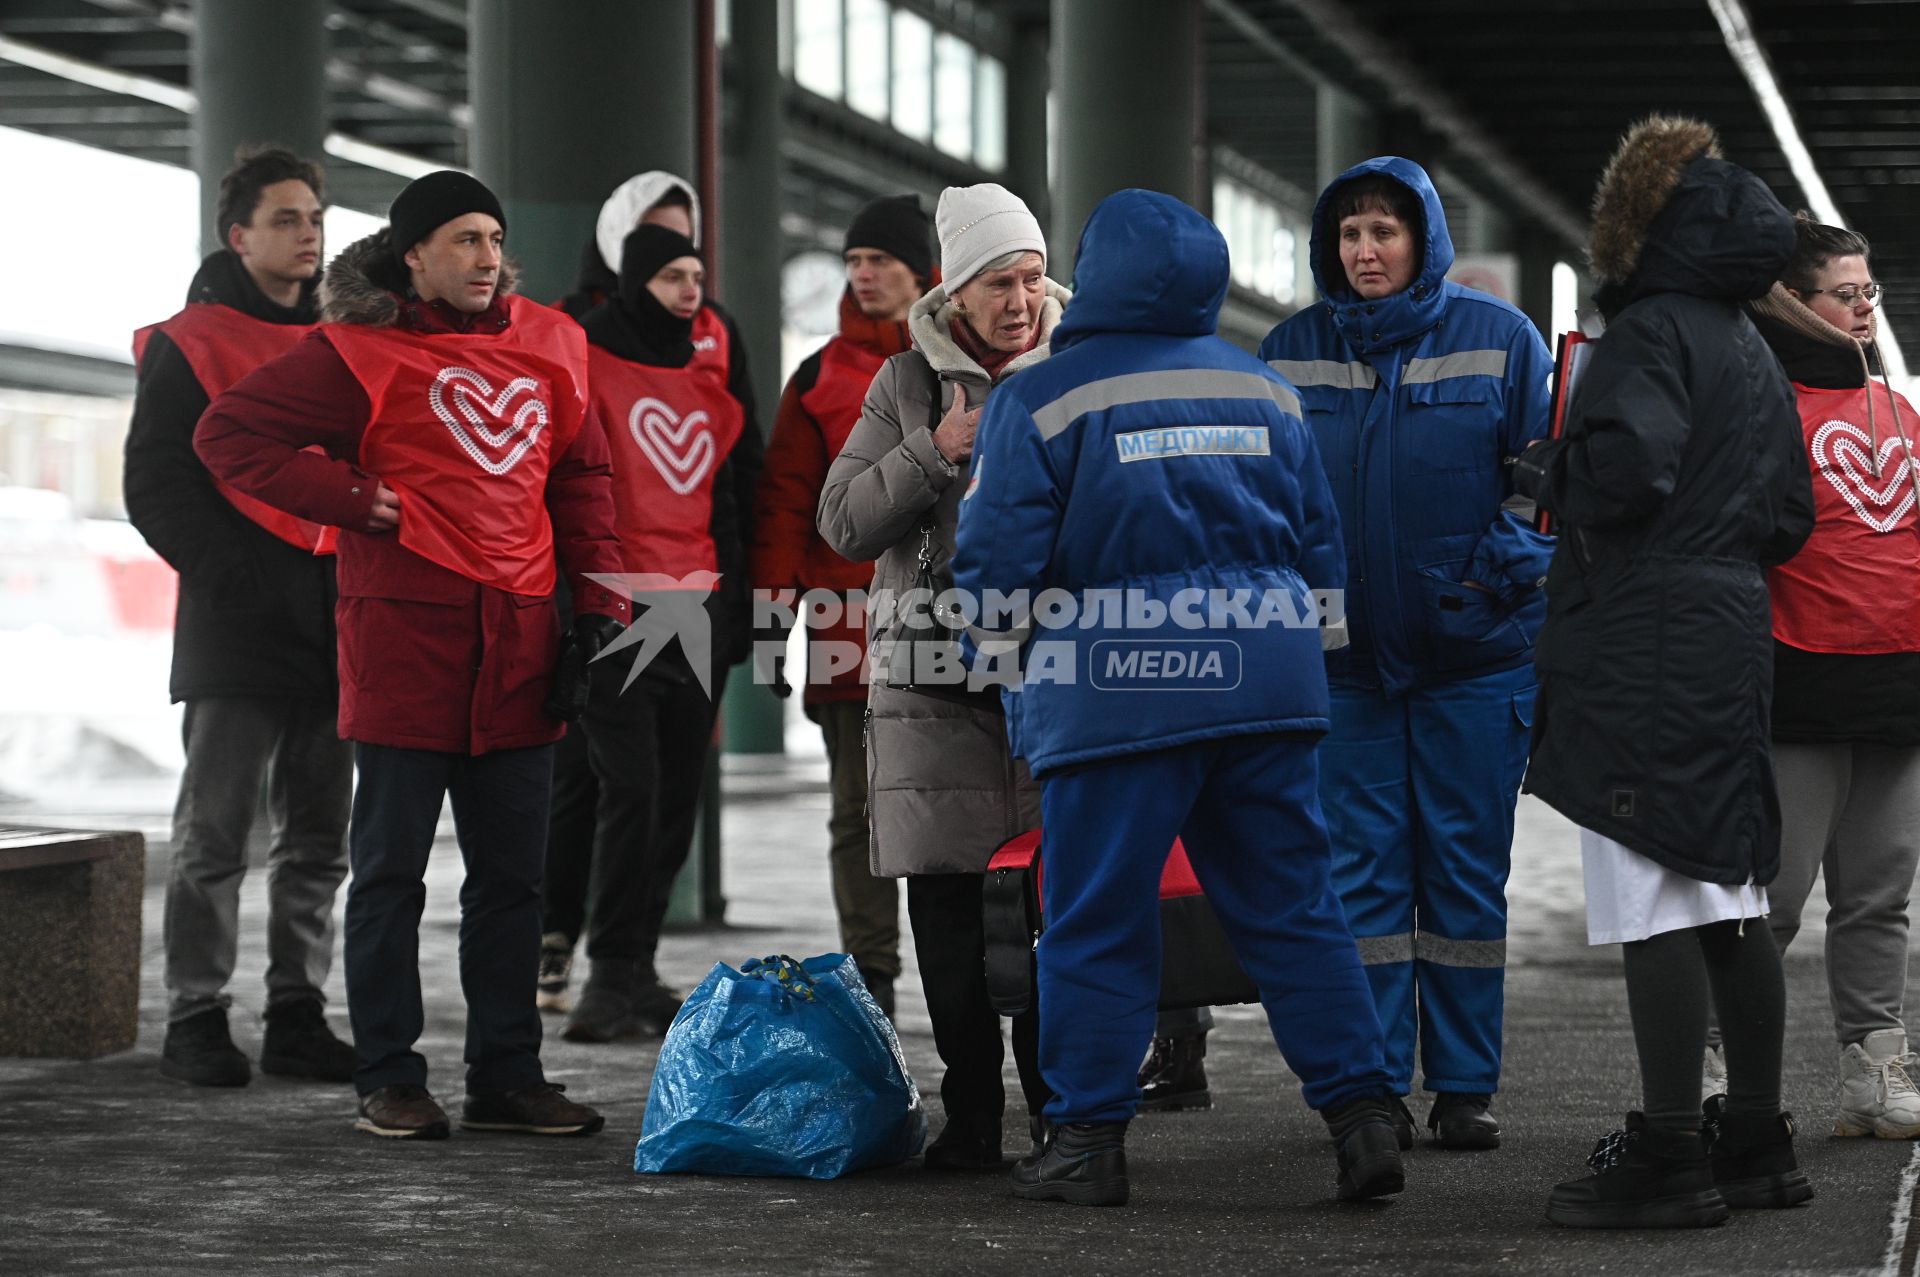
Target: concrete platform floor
[(105, 1167)]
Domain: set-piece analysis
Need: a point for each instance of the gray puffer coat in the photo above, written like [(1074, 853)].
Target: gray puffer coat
[(943, 789)]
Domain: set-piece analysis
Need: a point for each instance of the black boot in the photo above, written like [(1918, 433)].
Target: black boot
[(1402, 1118), (298, 1043), (655, 1005), (1753, 1163), (200, 1052), (1368, 1148), (1462, 1122), (966, 1143), (881, 987), (1643, 1178), (605, 1009), (1175, 1076), (1084, 1163)]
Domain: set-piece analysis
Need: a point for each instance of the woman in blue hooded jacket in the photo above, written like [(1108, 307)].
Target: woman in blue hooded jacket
[(1420, 393)]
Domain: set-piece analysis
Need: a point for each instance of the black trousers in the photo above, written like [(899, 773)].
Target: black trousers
[(500, 804), (949, 934), (626, 794)]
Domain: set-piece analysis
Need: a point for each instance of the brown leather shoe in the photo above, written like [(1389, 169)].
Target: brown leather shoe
[(402, 1112), (539, 1109)]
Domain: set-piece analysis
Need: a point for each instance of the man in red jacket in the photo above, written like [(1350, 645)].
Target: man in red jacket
[(889, 256), (458, 456)]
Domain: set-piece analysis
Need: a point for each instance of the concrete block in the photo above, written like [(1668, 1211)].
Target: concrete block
[(69, 941)]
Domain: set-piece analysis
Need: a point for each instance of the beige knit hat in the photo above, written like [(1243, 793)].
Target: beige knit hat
[(977, 224)]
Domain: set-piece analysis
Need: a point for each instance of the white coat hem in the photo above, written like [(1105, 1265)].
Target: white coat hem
[(1629, 897)]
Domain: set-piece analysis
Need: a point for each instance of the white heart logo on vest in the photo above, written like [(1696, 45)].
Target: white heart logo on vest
[(681, 448), (473, 395), (1843, 452)]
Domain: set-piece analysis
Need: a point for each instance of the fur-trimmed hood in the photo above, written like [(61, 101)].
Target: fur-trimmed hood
[(1671, 215), (366, 285), (930, 321), (1636, 185)]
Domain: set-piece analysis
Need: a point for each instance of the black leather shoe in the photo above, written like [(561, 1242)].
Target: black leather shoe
[(1643, 1178), (1084, 1163), (1753, 1163), (298, 1043), (966, 1144), (1368, 1148), (1175, 1076), (1462, 1122), (200, 1052)]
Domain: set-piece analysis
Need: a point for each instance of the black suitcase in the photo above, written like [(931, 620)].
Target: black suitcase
[(1198, 967)]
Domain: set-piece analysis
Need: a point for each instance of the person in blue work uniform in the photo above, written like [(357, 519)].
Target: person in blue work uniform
[(1420, 394), (1159, 488)]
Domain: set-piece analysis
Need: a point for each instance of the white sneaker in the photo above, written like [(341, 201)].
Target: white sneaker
[(1713, 1073), (1877, 1097)]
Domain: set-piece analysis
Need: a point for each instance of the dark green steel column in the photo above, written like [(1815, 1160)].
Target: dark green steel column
[(260, 71), (1126, 77), (1028, 77), (568, 102), (752, 254)]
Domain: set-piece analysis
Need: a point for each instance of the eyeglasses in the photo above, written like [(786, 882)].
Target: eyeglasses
[(1850, 294)]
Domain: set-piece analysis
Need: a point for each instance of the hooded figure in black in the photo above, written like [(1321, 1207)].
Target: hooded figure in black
[(627, 781), (1681, 476)]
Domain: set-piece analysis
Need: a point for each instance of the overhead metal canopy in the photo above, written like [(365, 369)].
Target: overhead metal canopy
[(1522, 99), (1545, 88)]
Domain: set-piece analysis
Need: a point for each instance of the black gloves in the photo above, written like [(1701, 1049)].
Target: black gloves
[(572, 679), (1529, 473)]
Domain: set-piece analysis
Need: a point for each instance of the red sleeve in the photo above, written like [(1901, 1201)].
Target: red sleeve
[(253, 436), (795, 470), (580, 502)]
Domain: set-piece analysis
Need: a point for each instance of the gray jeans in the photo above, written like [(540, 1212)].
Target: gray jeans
[(232, 746), (1853, 810)]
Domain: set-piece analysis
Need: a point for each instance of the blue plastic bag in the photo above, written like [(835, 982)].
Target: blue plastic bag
[(780, 1068)]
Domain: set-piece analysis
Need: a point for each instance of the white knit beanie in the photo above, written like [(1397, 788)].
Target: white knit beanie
[(977, 224)]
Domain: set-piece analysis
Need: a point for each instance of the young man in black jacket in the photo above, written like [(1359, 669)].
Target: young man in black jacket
[(253, 655)]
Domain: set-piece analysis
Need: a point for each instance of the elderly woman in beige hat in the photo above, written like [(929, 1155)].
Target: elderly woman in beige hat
[(944, 790)]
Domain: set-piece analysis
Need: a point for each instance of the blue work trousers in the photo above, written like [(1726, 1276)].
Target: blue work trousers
[(1247, 809), (1419, 792)]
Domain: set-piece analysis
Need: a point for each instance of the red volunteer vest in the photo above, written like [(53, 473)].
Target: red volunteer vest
[(465, 428), (669, 430), (222, 345), (1855, 586), (846, 371), (711, 353)]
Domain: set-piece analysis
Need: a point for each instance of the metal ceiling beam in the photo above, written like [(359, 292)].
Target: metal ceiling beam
[(1736, 28), (182, 99), (1405, 85)]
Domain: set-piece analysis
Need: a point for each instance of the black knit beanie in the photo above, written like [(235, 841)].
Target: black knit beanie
[(430, 202), (645, 250), (897, 226)]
